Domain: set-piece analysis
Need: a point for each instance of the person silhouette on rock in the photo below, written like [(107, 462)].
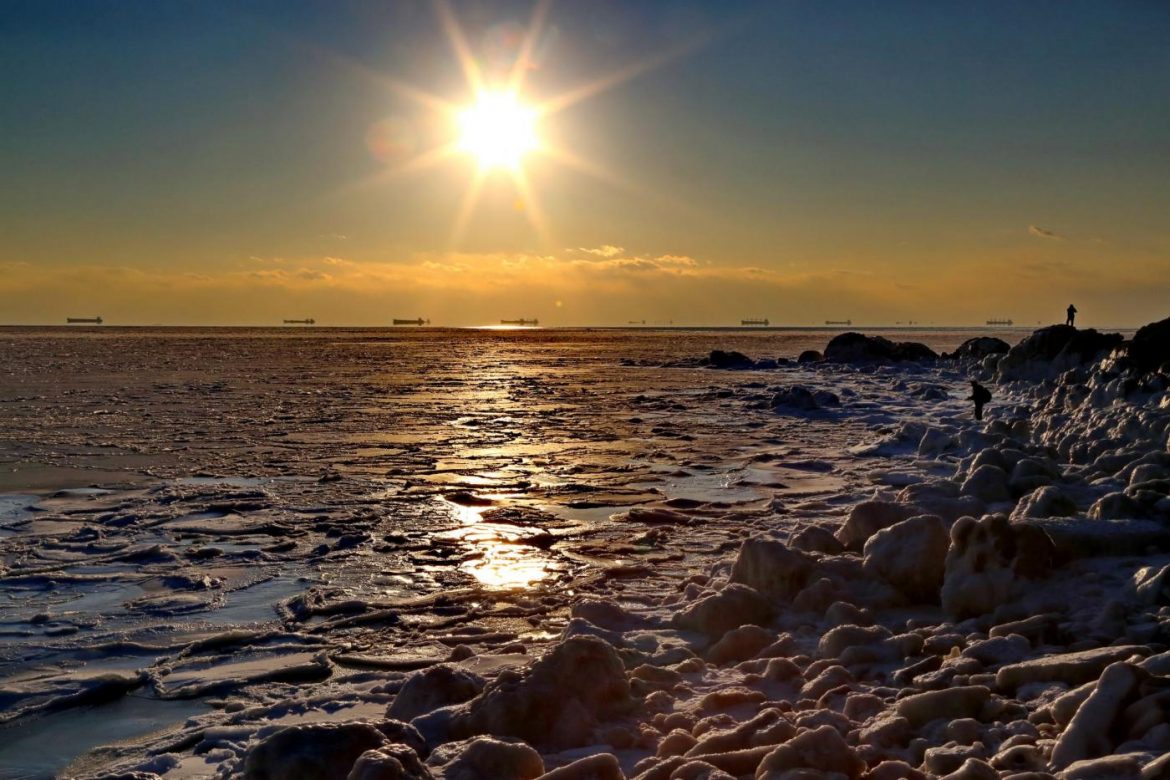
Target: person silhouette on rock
[(1072, 315), (980, 395)]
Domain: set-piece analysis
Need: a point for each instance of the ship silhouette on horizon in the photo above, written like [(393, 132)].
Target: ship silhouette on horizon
[(420, 322), (520, 321), (83, 320)]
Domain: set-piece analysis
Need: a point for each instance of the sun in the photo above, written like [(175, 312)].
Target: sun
[(498, 130)]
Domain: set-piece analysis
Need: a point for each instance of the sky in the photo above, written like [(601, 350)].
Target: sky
[(211, 162)]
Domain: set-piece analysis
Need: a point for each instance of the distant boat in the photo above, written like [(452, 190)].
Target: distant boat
[(838, 322), (520, 322), (763, 322), (999, 322), (420, 321), (309, 321), (637, 322), (83, 320)]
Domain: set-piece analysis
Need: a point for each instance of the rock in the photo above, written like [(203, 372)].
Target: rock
[(734, 606), (1051, 351), (966, 701), (605, 614), (1047, 501), (795, 397), (735, 361), (558, 700), (934, 442), (394, 762), (813, 538), (869, 517), (810, 356), (1150, 586), (1031, 473), (911, 556), (928, 391), (1087, 736), (972, 769), (987, 483), (603, 766), (699, 770), (1070, 668), (318, 751), (958, 763), (432, 688), (772, 568), (886, 731), (1079, 537), (986, 562), (854, 347), (1113, 506), (486, 758), (1019, 758), (999, 650), (1124, 767), (894, 770), (978, 348), (1149, 350), (822, 749), (831, 677), (676, 743), (837, 640), (740, 644)]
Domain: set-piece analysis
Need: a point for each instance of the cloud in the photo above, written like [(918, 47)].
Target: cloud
[(1040, 232), (459, 288), (605, 250)]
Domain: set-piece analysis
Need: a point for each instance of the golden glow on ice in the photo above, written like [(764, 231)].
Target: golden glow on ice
[(503, 563)]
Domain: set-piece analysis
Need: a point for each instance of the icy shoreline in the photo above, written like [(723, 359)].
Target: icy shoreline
[(795, 635)]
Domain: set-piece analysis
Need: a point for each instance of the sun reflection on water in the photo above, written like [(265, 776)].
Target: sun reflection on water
[(505, 562)]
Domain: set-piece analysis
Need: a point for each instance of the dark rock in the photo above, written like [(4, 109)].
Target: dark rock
[(854, 347), (558, 700), (795, 397), (394, 762), (772, 568), (432, 688), (487, 758), (1150, 348), (1051, 351), (729, 360), (318, 751), (734, 606), (810, 356), (979, 347)]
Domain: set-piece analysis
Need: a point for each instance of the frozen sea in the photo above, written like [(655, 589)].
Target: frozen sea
[(195, 520)]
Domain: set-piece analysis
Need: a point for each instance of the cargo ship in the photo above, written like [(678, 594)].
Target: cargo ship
[(83, 320), (420, 321), (520, 322)]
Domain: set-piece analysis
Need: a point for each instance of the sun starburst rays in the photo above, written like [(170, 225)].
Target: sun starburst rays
[(499, 131)]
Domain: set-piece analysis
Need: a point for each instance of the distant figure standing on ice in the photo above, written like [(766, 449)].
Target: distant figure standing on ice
[(980, 395), (1072, 315)]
